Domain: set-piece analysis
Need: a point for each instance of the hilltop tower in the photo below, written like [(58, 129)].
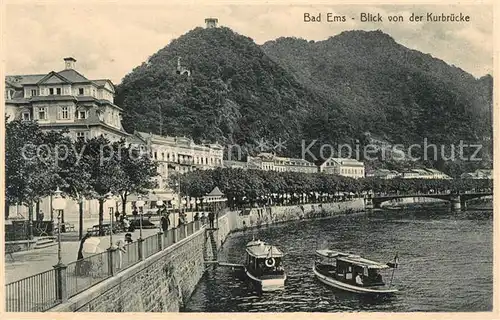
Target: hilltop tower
[(182, 70), (211, 22)]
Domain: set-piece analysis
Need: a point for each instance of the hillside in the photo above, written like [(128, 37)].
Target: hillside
[(235, 93), (388, 89), (335, 91)]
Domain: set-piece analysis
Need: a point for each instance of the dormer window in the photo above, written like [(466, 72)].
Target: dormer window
[(80, 91), (26, 116), (34, 92), (58, 91), (82, 114), (51, 91)]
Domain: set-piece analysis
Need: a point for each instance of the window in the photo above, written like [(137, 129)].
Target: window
[(26, 116), (64, 113), (51, 91), (33, 92), (58, 90), (81, 135), (42, 113), (80, 91), (82, 114)]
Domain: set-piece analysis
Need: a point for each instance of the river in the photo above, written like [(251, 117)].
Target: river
[(446, 263)]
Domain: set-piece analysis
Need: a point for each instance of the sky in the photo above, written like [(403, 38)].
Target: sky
[(109, 39)]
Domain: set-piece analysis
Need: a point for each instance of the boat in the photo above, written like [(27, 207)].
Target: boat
[(352, 273), (264, 266)]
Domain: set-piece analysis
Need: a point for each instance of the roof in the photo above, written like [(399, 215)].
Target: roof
[(24, 79), (215, 192), (362, 262), (345, 161), (330, 253), (73, 76), (260, 249)]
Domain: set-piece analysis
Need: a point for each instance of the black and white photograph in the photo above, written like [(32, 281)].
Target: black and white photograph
[(263, 157)]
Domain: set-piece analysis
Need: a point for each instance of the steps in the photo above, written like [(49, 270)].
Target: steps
[(44, 242), (209, 234)]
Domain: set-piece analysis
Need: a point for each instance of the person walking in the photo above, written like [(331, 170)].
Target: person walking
[(211, 219), (164, 223)]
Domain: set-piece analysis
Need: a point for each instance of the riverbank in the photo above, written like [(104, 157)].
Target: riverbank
[(165, 281)]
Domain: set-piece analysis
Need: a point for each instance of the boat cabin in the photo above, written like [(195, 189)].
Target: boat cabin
[(263, 259), (350, 268)]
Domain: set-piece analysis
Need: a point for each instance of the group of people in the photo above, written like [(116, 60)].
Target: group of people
[(198, 216)]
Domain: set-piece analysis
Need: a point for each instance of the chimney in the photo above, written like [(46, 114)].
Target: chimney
[(211, 22), (69, 63)]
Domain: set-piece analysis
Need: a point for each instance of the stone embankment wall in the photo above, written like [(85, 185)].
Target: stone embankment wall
[(164, 281)]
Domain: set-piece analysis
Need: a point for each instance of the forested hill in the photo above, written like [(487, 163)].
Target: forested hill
[(235, 94), (388, 89), (334, 90)]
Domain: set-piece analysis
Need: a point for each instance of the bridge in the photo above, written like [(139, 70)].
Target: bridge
[(457, 200)]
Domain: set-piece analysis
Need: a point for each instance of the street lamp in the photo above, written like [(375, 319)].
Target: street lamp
[(140, 205), (109, 196), (58, 204)]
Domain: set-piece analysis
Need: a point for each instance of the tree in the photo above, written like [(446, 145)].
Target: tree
[(105, 169), (30, 165), (139, 170)]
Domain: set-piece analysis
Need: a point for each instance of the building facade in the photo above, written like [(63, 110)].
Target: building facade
[(424, 173), (478, 174), (178, 154), (344, 167), (65, 99), (271, 162)]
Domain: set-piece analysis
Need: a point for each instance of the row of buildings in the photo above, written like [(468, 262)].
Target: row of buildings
[(426, 173), (270, 162)]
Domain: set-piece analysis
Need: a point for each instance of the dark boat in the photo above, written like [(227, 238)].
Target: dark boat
[(352, 273)]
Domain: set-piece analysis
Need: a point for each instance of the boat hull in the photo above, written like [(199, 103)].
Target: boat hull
[(329, 281), (267, 285)]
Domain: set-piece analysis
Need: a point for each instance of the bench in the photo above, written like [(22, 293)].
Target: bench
[(66, 227)]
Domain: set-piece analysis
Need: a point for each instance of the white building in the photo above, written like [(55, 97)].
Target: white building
[(343, 167), (178, 154), (478, 174), (271, 162)]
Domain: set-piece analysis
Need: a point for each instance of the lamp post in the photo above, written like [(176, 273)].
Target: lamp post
[(140, 205), (159, 205), (109, 196), (58, 204)]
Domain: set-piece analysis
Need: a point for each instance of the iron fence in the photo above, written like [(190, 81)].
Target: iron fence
[(129, 257), (150, 245), (169, 237), (36, 293), (40, 292), (85, 273)]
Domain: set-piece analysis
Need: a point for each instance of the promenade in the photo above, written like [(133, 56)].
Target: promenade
[(27, 263)]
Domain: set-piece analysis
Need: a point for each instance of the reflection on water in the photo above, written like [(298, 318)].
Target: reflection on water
[(446, 262)]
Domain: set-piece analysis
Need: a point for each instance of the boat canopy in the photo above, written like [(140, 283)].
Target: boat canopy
[(260, 249), (362, 262), (331, 253)]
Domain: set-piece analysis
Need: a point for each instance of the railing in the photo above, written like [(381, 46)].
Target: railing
[(47, 289), (83, 274), (130, 256), (36, 293), (151, 246)]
